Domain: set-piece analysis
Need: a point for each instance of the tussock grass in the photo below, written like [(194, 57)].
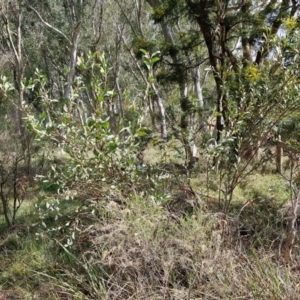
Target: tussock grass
[(137, 248), (141, 252)]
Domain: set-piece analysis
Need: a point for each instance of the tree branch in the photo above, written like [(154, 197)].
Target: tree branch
[(50, 26), (5, 20)]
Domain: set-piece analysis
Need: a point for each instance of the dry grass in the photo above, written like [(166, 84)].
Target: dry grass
[(143, 252), (171, 151), (142, 248)]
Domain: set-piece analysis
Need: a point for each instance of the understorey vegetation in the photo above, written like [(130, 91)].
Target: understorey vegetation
[(149, 150)]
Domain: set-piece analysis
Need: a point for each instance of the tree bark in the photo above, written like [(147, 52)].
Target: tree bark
[(19, 71), (181, 74)]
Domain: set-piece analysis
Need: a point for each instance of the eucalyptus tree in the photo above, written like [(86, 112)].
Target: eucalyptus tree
[(67, 31), (72, 27), (12, 15), (183, 46), (171, 72)]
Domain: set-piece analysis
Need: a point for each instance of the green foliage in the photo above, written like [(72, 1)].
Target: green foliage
[(170, 9), (142, 43), (256, 105), (97, 163), (118, 218)]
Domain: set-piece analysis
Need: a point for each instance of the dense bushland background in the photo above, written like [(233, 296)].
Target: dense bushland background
[(149, 149)]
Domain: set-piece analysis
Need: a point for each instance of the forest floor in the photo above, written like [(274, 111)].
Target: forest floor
[(144, 248)]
